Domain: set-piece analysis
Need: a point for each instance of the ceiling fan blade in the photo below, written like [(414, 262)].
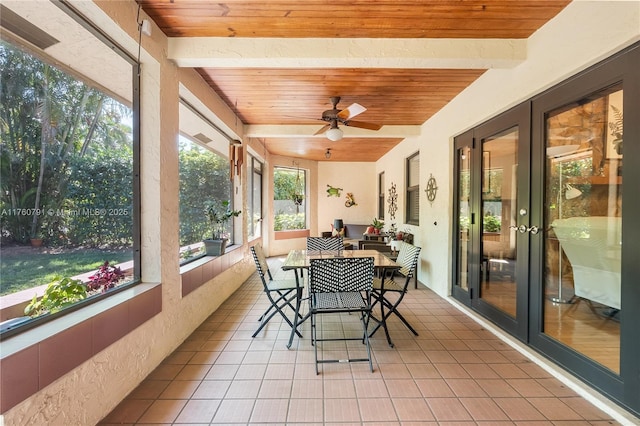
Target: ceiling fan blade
[(362, 125), (322, 129), (351, 111)]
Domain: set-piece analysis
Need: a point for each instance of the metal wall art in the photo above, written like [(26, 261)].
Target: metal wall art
[(350, 201), (432, 189), (393, 201), (333, 192)]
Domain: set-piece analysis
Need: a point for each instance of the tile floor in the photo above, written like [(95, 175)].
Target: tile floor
[(453, 373)]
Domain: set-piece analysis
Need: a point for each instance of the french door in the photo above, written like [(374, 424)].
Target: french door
[(545, 246), (493, 226)]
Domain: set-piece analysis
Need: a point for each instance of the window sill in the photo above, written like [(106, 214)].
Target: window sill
[(294, 233)]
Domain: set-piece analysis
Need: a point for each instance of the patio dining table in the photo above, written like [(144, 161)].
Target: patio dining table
[(297, 260)]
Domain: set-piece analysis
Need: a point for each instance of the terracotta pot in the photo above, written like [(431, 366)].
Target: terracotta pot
[(36, 242)]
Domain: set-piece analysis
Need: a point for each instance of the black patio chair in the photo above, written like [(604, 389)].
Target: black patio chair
[(281, 293), (389, 294), (341, 285)]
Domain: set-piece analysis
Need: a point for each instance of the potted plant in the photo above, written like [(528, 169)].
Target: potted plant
[(218, 213), (377, 226), (36, 239)]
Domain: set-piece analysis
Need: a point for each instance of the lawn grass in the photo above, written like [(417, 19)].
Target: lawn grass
[(22, 268)]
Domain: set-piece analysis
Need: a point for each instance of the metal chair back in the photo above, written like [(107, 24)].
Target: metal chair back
[(322, 244)]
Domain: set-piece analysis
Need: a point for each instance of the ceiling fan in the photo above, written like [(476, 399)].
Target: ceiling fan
[(344, 116)]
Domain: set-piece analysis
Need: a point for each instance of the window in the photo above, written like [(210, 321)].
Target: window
[(413, 189), (68, 157), (254, 203), (204, 176), (381, 196), (289, 198)]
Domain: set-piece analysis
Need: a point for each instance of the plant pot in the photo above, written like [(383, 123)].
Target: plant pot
[(370, 230), (215, 247), (36, 242)]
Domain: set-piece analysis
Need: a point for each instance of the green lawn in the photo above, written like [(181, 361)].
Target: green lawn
[(24, 267)]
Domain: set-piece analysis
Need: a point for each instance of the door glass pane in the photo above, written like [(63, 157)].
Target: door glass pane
[(499, 194), (583, 202), (464, 217)]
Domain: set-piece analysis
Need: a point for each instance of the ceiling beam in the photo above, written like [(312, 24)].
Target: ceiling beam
[(308, 130), (225, 52)]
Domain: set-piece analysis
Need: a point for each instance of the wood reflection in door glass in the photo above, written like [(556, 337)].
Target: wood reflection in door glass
[(583, 207)]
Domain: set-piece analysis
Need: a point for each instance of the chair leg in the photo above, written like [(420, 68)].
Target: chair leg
[(392, 308), (365, 326), (314, 338), (296, 315), (281, 297), (277, 307)]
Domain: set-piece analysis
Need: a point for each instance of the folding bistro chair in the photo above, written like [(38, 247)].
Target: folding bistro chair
[(340, 285), (385, 287), (321, 243), (281, 293), (324, 244)]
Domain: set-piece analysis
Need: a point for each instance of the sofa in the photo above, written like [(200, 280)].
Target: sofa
[(352, 234)]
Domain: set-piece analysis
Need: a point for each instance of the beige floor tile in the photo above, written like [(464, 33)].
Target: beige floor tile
[(180, 389), (305, 410), (339, 388), (402, 388), (234, 411), (270, 411), (448, 409), (163, 411), (341, 410), (412, 409), (198, 411), (378, 410), (371, 388), (454, 373), (212, 389), (275, 389)]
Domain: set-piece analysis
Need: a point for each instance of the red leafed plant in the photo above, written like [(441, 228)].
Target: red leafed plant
[(105, 278)]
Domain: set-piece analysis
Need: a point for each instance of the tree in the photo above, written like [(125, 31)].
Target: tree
[(47, 117), (203, 176)]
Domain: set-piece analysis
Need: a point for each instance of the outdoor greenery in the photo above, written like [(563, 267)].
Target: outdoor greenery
[(289, 190), (21, 271), (204, 175), (60, 293), (61, 142), (66, 176), (285, 221)]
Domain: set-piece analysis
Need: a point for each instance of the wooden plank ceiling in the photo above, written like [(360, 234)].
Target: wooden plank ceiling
[(297, 95)]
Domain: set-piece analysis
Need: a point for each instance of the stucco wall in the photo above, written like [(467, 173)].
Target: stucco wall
[(360, 179)]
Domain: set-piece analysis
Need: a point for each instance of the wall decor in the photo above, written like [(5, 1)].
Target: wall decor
[(432, 188), (333, 192), (393, 201), (350, 201)]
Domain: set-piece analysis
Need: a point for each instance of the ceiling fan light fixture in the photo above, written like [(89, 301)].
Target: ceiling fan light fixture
[(334, 134)]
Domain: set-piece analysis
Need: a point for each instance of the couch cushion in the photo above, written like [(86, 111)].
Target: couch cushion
[(354, 230)]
